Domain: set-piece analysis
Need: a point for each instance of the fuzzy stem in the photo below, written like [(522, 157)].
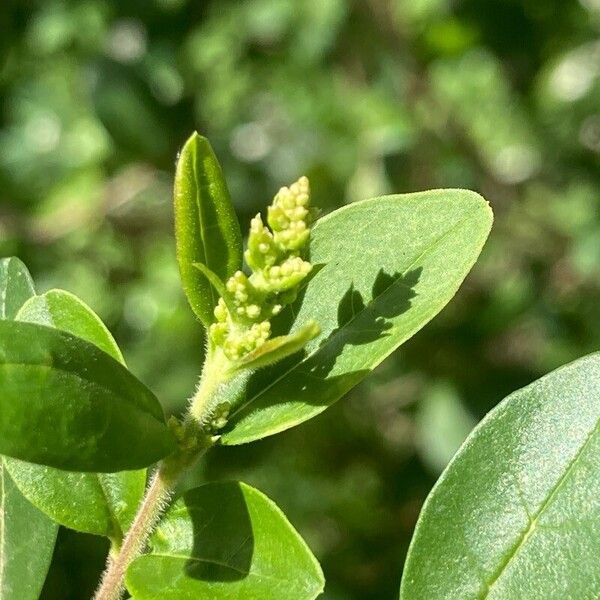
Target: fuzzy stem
[(214, 373), (157, 496), (162, 485)]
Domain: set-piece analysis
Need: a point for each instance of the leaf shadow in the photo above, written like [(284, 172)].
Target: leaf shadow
[(359, 323), (314, 379), (223, 539)]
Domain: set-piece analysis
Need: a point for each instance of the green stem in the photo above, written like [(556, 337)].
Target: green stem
[(161, 487), (157, 495), (214, 373)]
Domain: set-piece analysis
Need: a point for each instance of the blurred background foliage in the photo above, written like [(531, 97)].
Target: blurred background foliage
[(366, 97)]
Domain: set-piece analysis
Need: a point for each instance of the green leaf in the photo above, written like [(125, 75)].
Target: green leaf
[(27, 540), (66, 404), (223, 541), (103, 504), (515, 515), (27, 536), (16, 286), (99, 503), (280, 347), (390, 265), (67, 312), (206, 227)]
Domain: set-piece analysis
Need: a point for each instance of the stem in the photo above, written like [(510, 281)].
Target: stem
[(162, 485), (157, 496), (214, 373)]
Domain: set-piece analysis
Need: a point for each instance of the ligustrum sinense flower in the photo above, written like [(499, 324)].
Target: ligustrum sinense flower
[(275, 257)]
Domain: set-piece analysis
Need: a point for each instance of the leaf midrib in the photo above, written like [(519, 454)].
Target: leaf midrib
[(202, 220), (527, 533), (212, 561), (356, 315), (78, 377)]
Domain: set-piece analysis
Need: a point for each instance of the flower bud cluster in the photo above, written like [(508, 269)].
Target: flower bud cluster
[(277, 269), (288, 214)]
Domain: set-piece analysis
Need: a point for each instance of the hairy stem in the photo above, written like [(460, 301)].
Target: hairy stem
[(157, 496), (214, 373), (161, 486)]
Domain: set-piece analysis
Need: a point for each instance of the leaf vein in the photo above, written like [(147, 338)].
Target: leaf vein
[(522, 540), (202, 221), (329, 340)]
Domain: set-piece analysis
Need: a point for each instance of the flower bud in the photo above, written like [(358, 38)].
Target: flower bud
[(262, 251), (273, 256)]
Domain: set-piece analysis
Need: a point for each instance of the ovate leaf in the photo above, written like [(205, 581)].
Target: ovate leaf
[(16, 286), (515, 515), (223, 541), (66, 404), (100, 503), (66, 311), (390, 265), (27, 540), (206, 227)]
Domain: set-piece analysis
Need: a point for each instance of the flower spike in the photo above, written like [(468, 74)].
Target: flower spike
[(275, 258)]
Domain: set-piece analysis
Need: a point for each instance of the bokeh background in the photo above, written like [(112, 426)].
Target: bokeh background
[(366, 97)]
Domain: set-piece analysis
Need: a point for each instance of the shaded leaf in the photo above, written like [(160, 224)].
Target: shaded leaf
[(390, 265), (515, 514), (27, 540), (100, 503), (65, 403), (223, 541), (27, 536), (206, 226)]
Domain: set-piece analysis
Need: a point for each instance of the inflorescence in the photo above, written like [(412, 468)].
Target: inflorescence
[(274, 256)]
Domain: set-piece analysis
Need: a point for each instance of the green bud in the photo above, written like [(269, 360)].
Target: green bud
[(288, 216), (262, 251), (242, 341), (277, 269)]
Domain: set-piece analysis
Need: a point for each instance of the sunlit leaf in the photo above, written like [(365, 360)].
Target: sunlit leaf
[(16, 286), (65, 311), (515, 513), (223, 541), (389, 266), (206, 227), (278, 348)]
